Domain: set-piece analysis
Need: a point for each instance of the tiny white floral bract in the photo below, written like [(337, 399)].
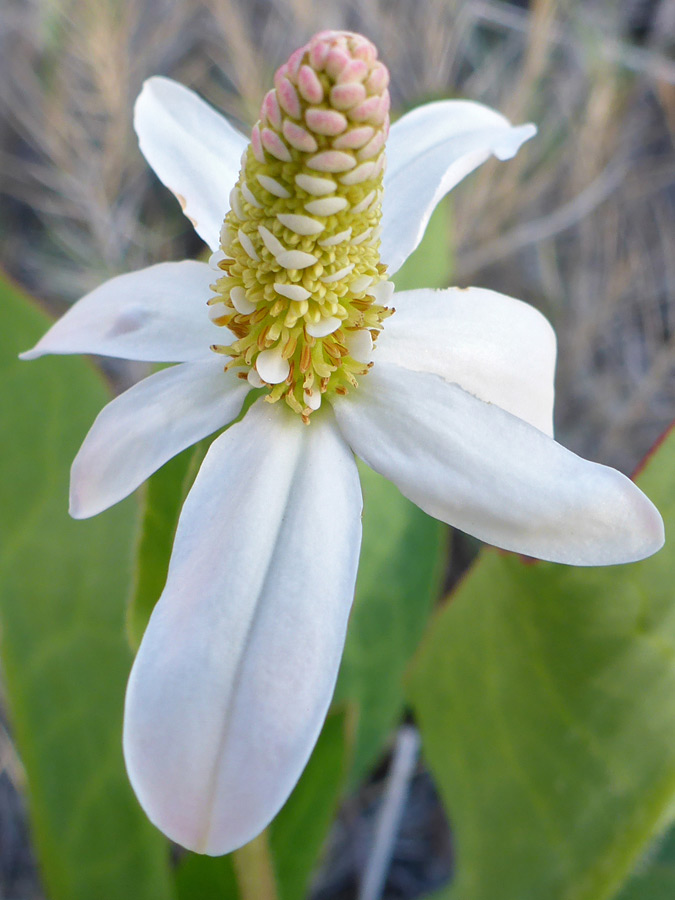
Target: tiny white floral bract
[(238, 664)]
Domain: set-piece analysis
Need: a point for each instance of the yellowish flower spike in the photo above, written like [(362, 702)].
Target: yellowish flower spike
[(302, 289)]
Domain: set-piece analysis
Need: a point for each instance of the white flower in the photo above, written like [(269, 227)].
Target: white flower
[(238, 664)]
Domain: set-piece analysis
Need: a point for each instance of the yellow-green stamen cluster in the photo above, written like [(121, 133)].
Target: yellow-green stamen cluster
[(303, 290)]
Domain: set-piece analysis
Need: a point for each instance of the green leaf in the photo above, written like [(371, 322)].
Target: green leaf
[(401, 562), (206, 878), (65, 659), (298, 833), (657, 883), (546, 700), (654, 877), (295, 838), (431, 264)]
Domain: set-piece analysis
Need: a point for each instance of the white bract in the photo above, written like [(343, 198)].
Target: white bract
[(238, 664)]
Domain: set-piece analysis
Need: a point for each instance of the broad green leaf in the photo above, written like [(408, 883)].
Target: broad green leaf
[(63, 649), (206, 878), (295, 838), (431, 263), (546, 700), (654, 877), (657, 883), (401, 562), (298, 833)]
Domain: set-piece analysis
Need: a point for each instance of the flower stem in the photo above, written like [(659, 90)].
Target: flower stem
[(254, 870)]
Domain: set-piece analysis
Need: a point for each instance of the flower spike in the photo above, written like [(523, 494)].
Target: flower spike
[(300, 245)]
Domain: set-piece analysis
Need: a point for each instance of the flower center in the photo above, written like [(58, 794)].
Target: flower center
[(303, 290)]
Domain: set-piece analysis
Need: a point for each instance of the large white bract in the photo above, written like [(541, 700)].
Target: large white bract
[(238, 663)]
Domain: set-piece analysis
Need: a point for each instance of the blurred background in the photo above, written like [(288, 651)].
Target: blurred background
[(581, 224)]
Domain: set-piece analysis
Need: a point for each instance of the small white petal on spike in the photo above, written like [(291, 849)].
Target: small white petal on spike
[(247, 244), (300, 224), (316, 186), (372, 147), (354, 138), (272, 242), (325, 121), (383, 291), (335, 239), (256, 144), (226, 233), (272, 367), (327, 206), (235, 204), (365, 203), (374, 238), (254, 379), (299, 138), (296, 259), (215, 258), (217, 311), (241, 302), (360, 284), (292, 291), (273, 186), (360, 238), (312, 400), (361, 173), (249, 196), (346, 96), (288, 97), (309, 85), (360, 345), (336, 276), (274, 145), (323, 327), (331, 161)]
